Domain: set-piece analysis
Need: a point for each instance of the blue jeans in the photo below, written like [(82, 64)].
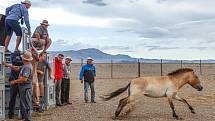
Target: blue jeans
[(86, 86)]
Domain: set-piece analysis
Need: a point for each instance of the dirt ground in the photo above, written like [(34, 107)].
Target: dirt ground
[(147, 109)]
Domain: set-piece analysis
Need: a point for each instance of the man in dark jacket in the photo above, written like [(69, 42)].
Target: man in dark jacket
[(14, 90)]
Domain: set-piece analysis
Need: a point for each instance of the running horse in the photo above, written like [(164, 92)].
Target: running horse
[(157, 87)]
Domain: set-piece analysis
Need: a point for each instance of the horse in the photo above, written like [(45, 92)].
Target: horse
[(157, 87)]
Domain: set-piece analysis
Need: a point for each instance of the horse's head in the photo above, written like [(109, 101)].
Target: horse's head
[(194, 81)]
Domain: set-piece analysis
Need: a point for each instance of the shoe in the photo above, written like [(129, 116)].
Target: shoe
[(59, 104), (7, 51), (93, 101), (86, 101), (10, 116), (69, 103), (18, 51)]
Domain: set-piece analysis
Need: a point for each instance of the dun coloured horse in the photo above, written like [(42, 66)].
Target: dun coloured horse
[(157, 87)]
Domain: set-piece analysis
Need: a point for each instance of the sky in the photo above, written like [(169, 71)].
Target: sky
[(161, 29)]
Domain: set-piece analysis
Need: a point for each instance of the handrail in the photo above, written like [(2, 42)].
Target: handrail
[(25, 39)]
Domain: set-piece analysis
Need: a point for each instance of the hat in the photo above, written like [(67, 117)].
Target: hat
[(26, 2), (89, 58), (45, 22), (68, 58), (27, 56)]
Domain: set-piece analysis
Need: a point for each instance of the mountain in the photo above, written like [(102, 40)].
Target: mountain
[(98, 55), (101, 57)]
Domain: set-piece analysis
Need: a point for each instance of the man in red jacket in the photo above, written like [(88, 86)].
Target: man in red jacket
[(58, 73)]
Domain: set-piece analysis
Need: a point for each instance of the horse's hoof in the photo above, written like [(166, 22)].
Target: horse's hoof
[(178, 118), (193, 112), (114, 117)]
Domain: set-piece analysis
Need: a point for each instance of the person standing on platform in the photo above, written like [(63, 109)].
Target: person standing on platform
[(13, 14)]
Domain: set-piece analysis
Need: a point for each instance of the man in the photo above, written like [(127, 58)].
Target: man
[(14, 90), (35, 84), (41, 69), (88, 71), (58, 73), (25, 85), (65, 85), (13, 14), (40, 39)]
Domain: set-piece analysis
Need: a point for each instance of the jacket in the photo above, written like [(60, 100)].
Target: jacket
[(87, 69), (58, 69)]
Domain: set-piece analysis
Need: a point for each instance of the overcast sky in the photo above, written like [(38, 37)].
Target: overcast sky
[(168, 29)]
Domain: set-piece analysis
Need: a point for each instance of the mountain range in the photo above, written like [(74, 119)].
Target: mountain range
[(96, 54), (101, 57)]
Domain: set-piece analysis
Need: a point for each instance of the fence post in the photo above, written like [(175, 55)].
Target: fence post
[(81, 61), (200, 66), (181, 63), (138, 68), (111, 68), (161, 67)]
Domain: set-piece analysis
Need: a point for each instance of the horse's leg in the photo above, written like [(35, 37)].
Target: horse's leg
[(122, 103), (173, 109), (130, 106), (132, 96), (184, 101)]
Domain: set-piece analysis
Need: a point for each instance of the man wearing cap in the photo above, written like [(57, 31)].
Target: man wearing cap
[(25, 85), (40, 38), (65, 85), (88, 71), (13, 14)]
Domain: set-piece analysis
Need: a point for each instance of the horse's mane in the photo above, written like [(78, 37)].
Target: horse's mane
[(179, 71)]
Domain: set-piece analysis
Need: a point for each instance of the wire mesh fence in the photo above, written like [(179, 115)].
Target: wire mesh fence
[(138, 69)]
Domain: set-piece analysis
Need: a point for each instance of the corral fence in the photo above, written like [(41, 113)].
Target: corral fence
[(112, 70)]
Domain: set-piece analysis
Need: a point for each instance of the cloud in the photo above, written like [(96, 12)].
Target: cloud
[(70, 45), (95, 2), (162, 25), (73, 19), (151, 48)]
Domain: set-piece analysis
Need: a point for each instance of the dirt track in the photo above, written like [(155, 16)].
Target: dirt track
[(148, 109)]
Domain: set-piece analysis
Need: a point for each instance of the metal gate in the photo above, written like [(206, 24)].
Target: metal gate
[(49, 86), (2, 85)]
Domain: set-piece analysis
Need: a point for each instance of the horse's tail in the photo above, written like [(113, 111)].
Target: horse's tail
[(116, 93)]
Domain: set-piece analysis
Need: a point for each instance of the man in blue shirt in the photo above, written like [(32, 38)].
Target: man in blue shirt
[(13, 14), (88, 71)]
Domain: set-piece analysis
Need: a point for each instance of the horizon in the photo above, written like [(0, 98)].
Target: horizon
[(140, 58), (164, 29)]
